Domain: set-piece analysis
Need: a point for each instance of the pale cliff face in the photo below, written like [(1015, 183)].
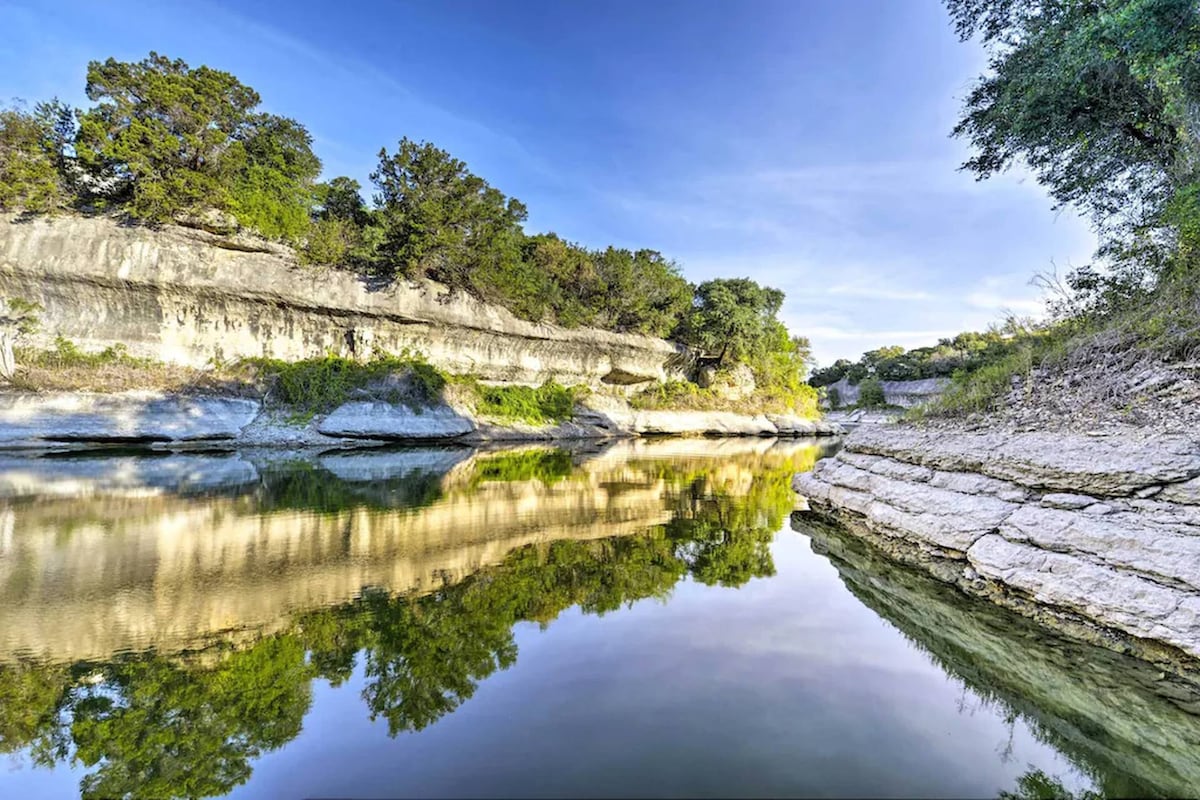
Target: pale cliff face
[(173, 295)]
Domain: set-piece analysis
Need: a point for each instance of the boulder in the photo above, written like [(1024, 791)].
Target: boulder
[(380, 420)]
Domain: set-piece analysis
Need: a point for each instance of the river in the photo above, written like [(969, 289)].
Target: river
[(647, 618)]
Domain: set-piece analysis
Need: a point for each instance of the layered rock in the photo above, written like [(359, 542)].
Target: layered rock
[(185, 296), (1099, 535), (39, 419)]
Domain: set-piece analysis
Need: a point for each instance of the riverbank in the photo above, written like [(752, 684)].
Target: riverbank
[(65, 419), (1096, 535)]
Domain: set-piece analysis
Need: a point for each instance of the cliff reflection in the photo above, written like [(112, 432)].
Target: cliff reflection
[(1133, 730), (163, 618)]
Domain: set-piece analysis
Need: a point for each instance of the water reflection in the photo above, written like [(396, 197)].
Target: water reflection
[(167, 621), (1135, 731), (164, 618)]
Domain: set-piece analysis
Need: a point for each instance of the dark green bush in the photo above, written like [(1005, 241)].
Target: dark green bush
[(870, 394)]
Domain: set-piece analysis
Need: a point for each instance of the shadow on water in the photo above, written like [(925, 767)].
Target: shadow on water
[(1132, 729)]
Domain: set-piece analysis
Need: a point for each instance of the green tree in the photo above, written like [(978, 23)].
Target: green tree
[(441, 220), (341, 198), (870, 394), (733, 319), (180, 140), (273, 192), (33, 166), (155, 729), (1100, 100)]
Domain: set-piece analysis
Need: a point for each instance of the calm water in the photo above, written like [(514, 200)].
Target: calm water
[(645, 619)]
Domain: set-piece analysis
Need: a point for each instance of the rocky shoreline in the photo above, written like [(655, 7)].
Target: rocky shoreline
[(66, 419), (1095, 535)]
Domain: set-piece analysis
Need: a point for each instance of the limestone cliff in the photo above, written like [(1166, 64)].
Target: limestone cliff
[(1096, 535), (184, 296)]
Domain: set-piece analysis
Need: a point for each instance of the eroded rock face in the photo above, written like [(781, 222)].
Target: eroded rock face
[(1101, 528), (72, 419), (185, 296), (128, 416), (378, 420)]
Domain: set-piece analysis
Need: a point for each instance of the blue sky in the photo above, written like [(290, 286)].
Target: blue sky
[(801, 143)]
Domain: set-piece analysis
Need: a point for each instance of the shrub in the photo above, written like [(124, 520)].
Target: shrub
[(549, 402), (983, 389), (834, 396), (870, 394), (317, 385)]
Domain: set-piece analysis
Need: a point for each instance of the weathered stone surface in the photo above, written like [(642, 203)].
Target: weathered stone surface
[(1187, 493), (1074, 463), (897, 393), (82, 416), (378, 420), (900, 507), (182, 296), (1112, 597), (1165, 552), (1092, 547), (1067, 501)]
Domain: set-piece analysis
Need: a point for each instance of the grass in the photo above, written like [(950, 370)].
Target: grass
[(685, 395), (548, 403), (66, 368), (319, 385)]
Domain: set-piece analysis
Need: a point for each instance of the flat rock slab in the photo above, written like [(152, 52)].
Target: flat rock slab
[(127, 416), (1105, 466), (379, 420)]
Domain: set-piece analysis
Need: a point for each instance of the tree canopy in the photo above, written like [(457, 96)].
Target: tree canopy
[(167, 139), (1101, 99), (164, 141)]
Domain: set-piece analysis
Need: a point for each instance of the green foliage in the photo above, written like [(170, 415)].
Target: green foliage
[(68, 354), (982, 389), (32, 169), (317, 385), (964, 352), (157, 725), (438, 218), (172, 139), (164, 141), (1037, 785), (734, 319), (548, 403), (274, 194), (870, 394), (340, 198), (643, 291), (1098, 99), (834, 396), (330, 242)]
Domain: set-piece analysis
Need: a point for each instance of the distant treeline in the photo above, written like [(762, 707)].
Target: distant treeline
[(165, 142), (963, 353)]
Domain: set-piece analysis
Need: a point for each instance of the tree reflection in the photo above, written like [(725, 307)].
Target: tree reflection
[(190, 725)]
